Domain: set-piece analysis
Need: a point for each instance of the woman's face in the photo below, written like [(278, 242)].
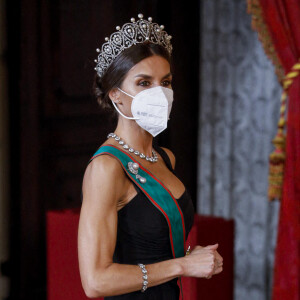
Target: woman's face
[(150, 72)]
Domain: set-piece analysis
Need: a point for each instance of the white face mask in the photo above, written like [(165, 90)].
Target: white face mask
[(151, 108)]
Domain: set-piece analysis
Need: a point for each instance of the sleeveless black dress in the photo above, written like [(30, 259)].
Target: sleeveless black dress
[(143, 237)]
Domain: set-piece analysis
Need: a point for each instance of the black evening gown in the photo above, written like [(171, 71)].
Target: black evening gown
[(143, 237)]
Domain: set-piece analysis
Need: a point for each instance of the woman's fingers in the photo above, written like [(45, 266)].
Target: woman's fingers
[(203, 262), (212, 247), (218, 270), (218, 256), (218, 261)]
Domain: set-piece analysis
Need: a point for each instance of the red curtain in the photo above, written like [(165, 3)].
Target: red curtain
[(282, 19)]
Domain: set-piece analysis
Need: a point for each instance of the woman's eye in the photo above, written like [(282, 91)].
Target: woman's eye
[(144, 83), (166, 83)]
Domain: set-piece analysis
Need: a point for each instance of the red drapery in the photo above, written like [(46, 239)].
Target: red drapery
[(280, 21)]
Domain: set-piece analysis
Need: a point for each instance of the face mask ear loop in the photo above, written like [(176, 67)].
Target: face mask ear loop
[(129, 118), (126, 93)]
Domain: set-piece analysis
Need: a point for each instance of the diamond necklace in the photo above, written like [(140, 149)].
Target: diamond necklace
[(152, 159)]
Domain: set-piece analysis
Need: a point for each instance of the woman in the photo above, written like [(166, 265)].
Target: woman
[(136, 214)]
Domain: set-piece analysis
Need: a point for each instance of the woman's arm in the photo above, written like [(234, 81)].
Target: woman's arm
[(105, 184)]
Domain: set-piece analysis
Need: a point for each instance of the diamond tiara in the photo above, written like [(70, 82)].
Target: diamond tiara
[(131, 34)]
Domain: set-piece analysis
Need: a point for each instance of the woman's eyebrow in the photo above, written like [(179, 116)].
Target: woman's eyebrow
[(144, 76), (150, 77), (167, 75)]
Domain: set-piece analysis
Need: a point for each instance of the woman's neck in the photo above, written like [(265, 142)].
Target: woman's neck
[(136, 137)]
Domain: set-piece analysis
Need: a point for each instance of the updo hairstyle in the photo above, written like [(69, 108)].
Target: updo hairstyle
[(116, 72)]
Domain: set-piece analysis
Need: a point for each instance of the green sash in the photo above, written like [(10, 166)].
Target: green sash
[(158, 195)]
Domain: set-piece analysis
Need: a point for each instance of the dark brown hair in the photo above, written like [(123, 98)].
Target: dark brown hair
[(116, 72)]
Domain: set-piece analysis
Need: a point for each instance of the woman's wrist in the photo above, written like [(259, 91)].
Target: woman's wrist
[(180, 263)]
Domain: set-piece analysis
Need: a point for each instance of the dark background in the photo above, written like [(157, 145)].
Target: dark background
[(55, 123)]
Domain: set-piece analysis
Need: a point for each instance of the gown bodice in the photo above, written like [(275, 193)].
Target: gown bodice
[(143, 237)]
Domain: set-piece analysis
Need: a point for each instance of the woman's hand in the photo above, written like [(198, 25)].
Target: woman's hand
[(203, 262)]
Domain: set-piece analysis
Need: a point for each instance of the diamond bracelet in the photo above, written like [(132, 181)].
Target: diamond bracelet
[(145, 277)]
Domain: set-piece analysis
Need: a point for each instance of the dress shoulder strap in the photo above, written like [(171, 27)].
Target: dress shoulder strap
[(165, 157)]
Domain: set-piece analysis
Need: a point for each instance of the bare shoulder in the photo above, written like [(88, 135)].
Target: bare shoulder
[(171, 156), (102, 166), (100, 176)]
